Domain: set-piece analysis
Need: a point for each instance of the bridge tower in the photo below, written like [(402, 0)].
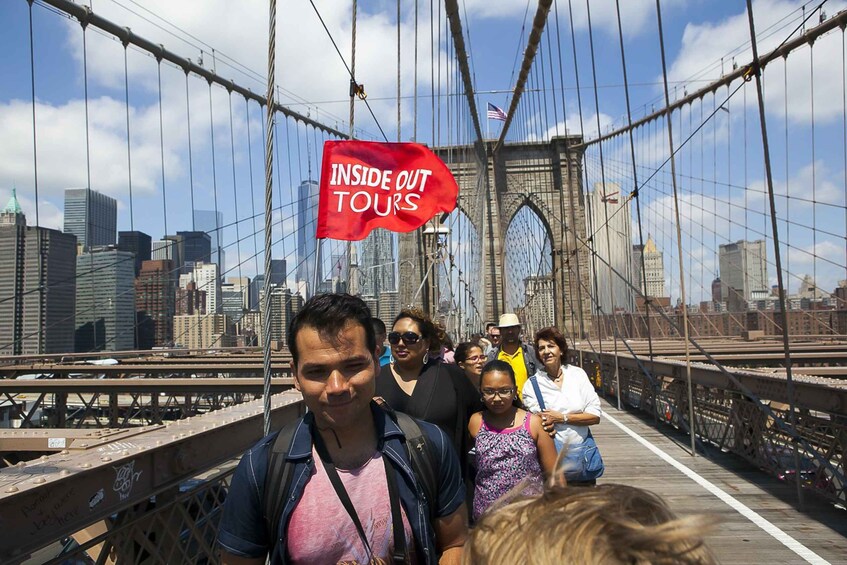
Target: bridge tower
[(494, 186)]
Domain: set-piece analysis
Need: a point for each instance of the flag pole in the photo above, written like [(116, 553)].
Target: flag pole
[(487, 126)]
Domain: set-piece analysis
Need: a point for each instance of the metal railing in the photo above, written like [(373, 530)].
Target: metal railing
[(727, 419)]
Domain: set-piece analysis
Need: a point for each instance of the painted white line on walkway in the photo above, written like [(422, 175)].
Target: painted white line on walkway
[(786, 540)]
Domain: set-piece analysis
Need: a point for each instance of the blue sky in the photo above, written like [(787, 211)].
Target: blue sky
[(698, 33)]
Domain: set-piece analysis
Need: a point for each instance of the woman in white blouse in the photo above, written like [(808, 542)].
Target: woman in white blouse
[(570, 402)]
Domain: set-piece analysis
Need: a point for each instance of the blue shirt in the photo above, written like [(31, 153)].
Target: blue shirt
[(243, 528), (385, 358)]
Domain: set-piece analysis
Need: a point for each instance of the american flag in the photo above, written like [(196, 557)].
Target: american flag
[(495, 113)]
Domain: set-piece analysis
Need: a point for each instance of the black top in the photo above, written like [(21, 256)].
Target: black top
[(443, 396)]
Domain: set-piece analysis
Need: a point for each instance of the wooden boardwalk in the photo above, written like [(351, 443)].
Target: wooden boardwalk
[(720, 485)]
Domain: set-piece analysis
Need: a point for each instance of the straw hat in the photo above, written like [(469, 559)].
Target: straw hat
[(508, 320)]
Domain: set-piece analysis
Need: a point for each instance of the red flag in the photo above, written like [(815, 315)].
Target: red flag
[(366, 185)]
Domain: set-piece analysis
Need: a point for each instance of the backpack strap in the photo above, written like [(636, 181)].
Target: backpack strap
[(421, 454), (278, 481), (538, 397)]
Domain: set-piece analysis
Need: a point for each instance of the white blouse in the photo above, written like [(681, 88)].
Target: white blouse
[(576, 395)]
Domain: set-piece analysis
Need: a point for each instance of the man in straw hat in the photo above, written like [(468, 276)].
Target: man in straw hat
[(512, 350)]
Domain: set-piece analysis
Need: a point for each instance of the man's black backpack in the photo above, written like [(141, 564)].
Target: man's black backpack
[(278, 480)]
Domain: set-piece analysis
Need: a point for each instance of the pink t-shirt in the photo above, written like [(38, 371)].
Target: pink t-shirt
[(321, 531)]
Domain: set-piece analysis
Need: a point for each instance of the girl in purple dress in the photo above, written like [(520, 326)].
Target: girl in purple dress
[(511, 446)]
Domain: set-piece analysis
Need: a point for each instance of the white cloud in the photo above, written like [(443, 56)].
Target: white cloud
[(306, 62), (705, 44), (572, 127), (62, 147)]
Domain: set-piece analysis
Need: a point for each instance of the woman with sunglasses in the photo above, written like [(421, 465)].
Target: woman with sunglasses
[(511, 446), (470, 357), (424, 388)]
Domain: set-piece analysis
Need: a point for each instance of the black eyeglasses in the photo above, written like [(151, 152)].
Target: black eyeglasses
[(491, 394), (409, 338)]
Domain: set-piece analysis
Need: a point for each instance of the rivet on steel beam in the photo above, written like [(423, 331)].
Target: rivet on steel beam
[(106, 458), (64, 473), (64, 452), (12, 489), (83, 444), (40, 481), (158, 442), (21, 463), (43, 458), (125, 452)]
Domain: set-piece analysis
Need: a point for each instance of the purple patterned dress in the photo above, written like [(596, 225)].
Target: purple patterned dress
[(504, 458)]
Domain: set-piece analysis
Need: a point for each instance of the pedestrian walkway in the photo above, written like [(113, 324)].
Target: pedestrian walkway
[(758, 519)]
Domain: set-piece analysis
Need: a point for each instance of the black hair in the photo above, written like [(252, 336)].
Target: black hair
[(425, 324), (328, 314), (379, 326), (503, 367), (462, 350)]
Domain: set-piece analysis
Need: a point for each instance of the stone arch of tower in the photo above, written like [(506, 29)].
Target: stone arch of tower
[(544, 176)]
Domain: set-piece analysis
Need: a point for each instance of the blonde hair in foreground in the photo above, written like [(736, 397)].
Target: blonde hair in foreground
[(608, 524)]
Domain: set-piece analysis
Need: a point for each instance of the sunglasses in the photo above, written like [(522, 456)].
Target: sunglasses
[(409, 338)]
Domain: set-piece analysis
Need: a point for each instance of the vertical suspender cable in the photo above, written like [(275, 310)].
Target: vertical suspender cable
[(162, 146), (840, 304), (755, 70), (353, 88), (129, 168), (415, 124), (691, 425), (190, 158), (571, 179), (636, 191), (214, 182), (35, 183), (234, 195), (269, 169), (252, 191), (398, 70), (128, 143), (605, 212), (84, 24), (584, 168)]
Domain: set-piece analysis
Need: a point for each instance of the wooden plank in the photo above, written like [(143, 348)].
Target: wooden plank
[(820, 526)]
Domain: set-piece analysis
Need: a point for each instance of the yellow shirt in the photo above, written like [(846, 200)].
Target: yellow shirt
[(518, 366)]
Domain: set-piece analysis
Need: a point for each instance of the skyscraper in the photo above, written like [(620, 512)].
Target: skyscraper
[(743, 272), (195, 247), (308, 247), (105, 300), (138, 243), (155, 304), (378, 261), (91, 216), (205, 275), (613, 246), (190, 300), (235, 297), (166, 250), (37, 272), (279, 273), (212, 223), (654, 268)]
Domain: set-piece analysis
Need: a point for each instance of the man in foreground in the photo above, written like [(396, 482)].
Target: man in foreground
[(350, 463)]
